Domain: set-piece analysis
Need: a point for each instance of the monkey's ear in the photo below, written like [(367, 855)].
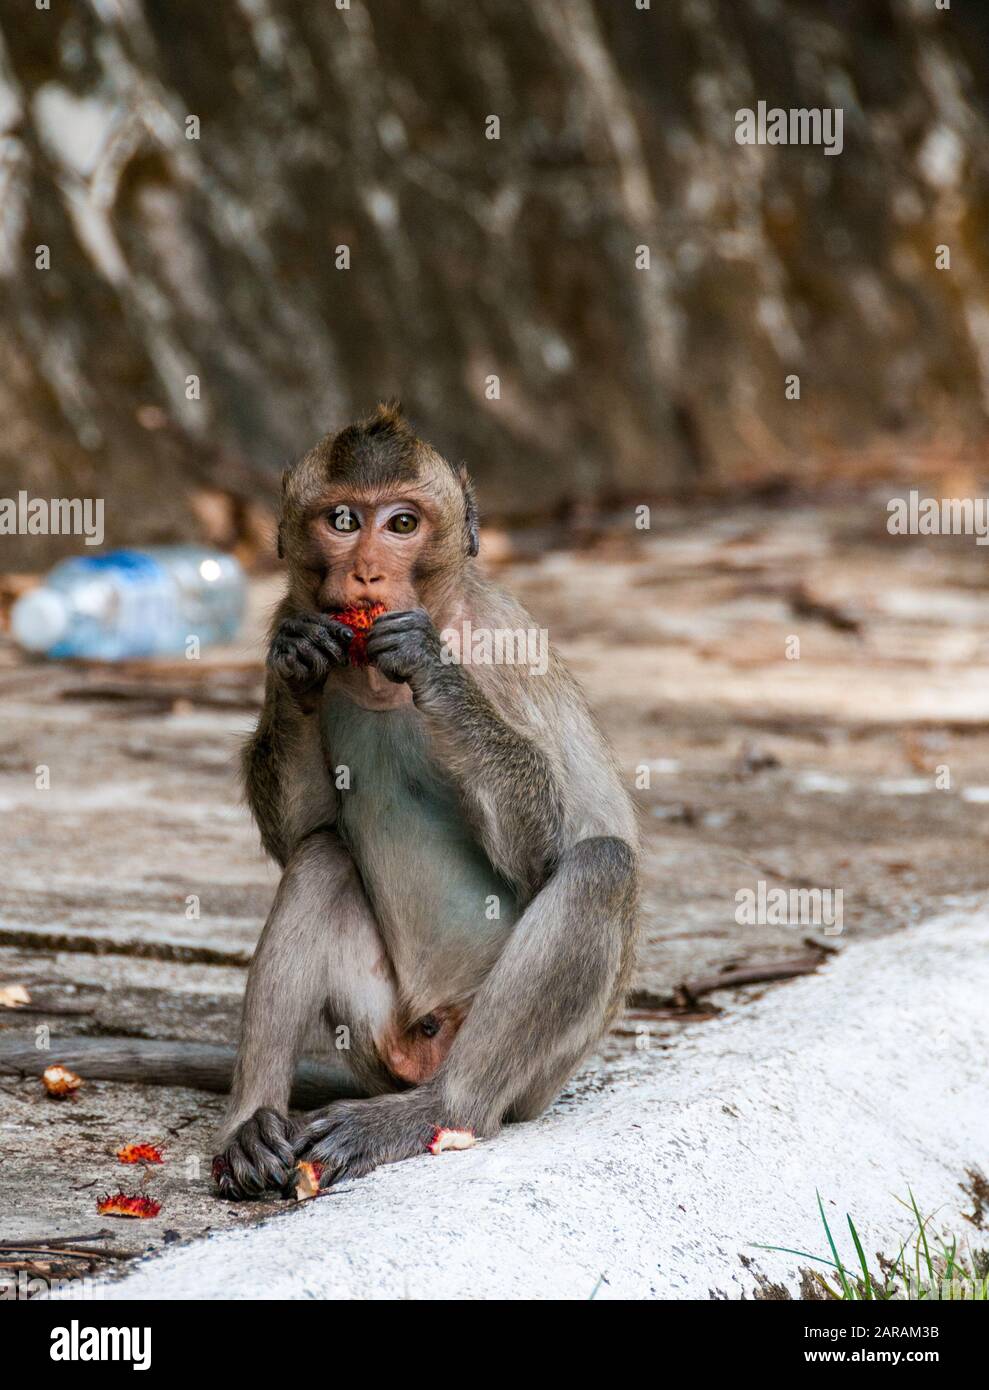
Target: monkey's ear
[(472, 539)]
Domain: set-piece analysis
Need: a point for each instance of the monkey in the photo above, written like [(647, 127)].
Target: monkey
[(459, 854), (456, 919)]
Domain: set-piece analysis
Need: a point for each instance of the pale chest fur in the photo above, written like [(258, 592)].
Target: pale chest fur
[(443, 911)]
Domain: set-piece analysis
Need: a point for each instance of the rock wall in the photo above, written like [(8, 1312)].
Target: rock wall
[(263, 215)]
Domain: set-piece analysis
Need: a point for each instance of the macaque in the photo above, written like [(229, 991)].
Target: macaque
[(459, 889)]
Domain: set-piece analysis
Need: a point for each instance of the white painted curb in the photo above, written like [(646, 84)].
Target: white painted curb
[(862, 1081)]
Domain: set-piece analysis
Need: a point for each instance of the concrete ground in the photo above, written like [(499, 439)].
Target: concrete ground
[(134, 888)]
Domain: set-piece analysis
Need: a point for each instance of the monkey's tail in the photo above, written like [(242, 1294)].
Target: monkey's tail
[(150, 1062)]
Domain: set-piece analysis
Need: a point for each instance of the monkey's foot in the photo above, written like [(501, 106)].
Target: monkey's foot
[(258, 1160), (352, 1137)]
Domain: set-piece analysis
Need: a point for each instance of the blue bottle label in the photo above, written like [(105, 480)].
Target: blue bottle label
[(143, 618)]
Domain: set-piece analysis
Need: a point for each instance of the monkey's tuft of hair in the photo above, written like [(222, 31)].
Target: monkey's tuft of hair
[(383, 444), (388, 417), (361, 619)]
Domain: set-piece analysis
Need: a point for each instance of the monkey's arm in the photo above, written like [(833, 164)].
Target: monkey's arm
[(287, 782), (507, 782)]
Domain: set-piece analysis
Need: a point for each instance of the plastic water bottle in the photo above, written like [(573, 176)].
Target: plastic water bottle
[(132, 603)]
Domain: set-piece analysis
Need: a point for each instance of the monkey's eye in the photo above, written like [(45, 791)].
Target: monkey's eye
[(343, 519), (403, 522)]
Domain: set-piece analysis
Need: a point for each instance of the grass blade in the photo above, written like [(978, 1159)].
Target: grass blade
[(923, 1237), (866, 1278), (834, 1250)]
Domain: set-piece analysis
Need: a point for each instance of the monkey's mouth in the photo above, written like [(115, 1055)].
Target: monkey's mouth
[(360, 617)]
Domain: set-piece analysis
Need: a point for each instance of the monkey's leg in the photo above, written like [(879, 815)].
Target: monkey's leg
[(320, 956), (545, 1003)]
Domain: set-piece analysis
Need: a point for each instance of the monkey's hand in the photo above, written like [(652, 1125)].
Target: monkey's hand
[(352, 1137), (407, 647), (258, 1159), (303, 652)]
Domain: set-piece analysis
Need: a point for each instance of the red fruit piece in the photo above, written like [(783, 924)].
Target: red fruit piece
[(444, 1139), (308, 1183), (59, 1081), (140, 1153), (121, 1205), (361, 620)]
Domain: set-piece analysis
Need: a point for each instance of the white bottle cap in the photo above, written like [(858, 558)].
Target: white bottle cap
[(39, 620)]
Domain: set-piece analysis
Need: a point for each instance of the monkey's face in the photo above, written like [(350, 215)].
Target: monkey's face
[(374, 515), (369, 550)]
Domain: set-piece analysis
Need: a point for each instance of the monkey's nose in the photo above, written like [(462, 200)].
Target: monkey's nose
[(363, 576)]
